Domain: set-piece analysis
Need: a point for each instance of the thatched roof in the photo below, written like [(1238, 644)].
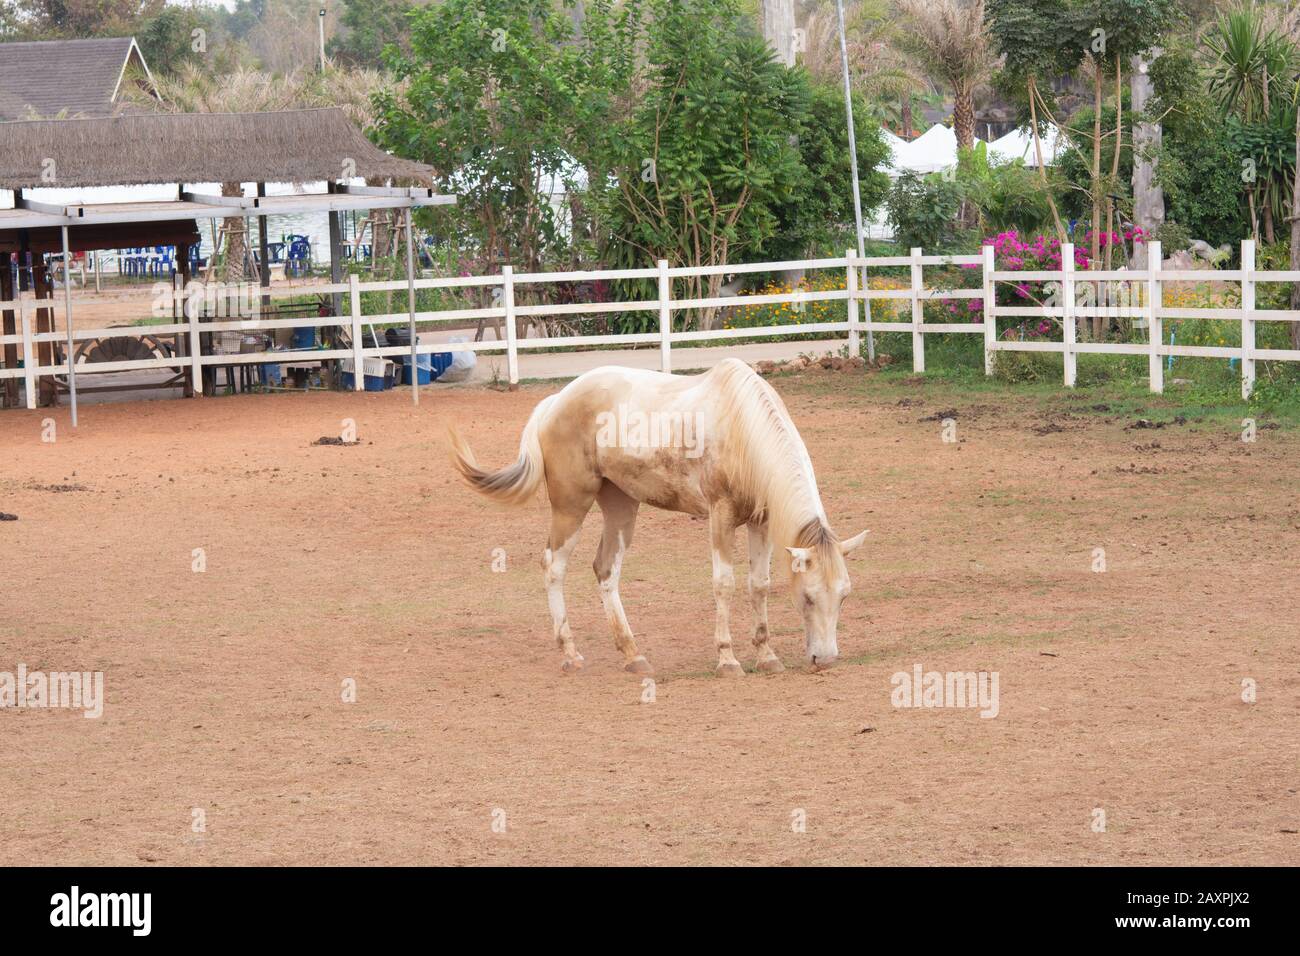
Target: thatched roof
[(79, 77), (295, 146)]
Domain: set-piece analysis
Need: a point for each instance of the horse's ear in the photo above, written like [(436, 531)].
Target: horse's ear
[(800, 558), (853, 543)]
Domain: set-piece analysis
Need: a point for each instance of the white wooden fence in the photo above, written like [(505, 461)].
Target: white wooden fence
[(1063, 306)]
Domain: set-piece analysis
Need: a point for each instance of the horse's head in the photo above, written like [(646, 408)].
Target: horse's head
[(820, 579)]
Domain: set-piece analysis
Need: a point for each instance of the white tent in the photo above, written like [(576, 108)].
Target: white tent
[(932, 151), (896, 145), (1019, 144)]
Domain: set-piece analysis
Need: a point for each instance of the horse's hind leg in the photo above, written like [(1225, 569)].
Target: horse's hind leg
[(620, 518), (760, 582), (565, 526)]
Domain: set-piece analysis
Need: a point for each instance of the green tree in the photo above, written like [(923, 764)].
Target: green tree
[(923, 211), (47, 19), (1040, 39), (169, 40), (706, 158), (948, 37), (1251, 67), (491, 96), (368, 27), (1197, 164), (676, 133), (1036, 46), (816, 218)]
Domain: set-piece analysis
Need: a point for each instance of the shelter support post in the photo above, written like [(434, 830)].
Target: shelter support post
[(263, 252), (67, 318), (358, 344), (410, 305), (9, 327), (43, 286), (182, 340), (336, 253), (29, 355)]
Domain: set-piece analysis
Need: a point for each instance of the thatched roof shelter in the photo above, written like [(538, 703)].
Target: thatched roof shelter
[(294, 146), (77, 77)]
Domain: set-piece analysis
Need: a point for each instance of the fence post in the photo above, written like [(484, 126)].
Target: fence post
[(1247, 317), (512, 334), (1069, 324), (852, 286), (196, 345), (358, 351), (1155, 327), (665, 318), (29, 353), (918, 314), (990, 308)]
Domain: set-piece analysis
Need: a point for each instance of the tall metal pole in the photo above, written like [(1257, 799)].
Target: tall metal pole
[(67, 317), (853, 162), (410, 303), (321, 19)]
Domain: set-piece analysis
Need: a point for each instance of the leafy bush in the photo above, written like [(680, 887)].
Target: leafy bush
[(923, 211)]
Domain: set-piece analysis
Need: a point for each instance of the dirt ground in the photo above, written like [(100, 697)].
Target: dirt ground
[(1119, 691)]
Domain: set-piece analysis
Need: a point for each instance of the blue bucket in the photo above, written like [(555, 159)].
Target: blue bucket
[(430, 366)]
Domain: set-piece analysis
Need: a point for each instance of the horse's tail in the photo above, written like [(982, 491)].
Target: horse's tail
[(516, 483)]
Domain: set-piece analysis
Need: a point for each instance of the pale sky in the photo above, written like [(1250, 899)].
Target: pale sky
[(228, 4)]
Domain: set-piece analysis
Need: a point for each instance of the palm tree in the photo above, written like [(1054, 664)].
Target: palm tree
[(1290, 28), (1250, 61), (885, 74), (948, 37)]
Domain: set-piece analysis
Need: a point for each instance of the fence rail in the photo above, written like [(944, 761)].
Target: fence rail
[(857, 295)]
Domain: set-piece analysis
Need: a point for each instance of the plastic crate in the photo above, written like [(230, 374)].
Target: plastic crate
[(378, 374)]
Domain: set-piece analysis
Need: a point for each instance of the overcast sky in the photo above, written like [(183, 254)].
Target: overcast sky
[(228, 4)]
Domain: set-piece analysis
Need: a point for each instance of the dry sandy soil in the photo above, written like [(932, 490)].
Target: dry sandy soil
[(1119, 690)]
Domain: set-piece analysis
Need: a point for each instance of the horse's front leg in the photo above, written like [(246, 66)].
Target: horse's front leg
[(722, 534), (760, 582)]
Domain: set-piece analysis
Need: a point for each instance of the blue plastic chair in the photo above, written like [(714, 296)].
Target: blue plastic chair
[(299, 258)]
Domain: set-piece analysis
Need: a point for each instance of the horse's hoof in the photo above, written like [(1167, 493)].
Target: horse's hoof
[(770, 666), (730, 670), (572, 665), (639, 665)]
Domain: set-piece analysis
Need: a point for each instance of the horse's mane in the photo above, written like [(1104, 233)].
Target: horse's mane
[(766, 460)]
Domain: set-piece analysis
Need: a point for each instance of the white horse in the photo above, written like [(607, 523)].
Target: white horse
[(720, 445)]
